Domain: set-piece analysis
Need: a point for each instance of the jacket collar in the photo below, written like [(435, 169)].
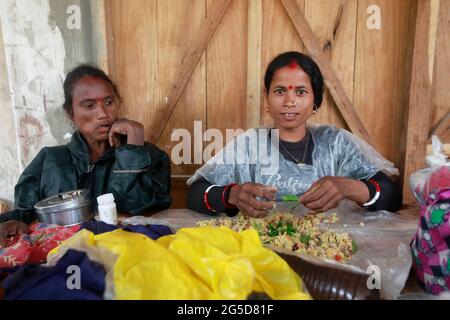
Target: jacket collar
[(80, 151)]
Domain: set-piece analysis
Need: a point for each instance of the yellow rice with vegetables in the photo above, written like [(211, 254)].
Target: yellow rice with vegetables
[(300, 234)]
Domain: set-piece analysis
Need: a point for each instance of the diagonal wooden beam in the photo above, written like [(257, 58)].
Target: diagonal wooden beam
[(208, 27), (332, 82), (441, 129)]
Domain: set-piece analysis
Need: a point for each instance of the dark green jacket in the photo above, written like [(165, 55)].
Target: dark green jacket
[(139, 177)]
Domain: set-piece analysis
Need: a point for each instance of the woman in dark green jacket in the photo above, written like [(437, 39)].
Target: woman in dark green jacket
[(106, 155)]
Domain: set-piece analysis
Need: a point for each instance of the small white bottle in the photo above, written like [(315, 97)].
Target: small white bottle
[(107, 211)]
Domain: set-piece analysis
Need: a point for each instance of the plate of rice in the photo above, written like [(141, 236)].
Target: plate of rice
[(299, 234)]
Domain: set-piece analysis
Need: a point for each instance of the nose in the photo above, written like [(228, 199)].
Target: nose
[(289, 100), (101, 111)]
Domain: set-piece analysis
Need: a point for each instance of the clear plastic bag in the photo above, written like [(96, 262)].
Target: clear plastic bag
[(382, 239), (436, 177), (254, 157)]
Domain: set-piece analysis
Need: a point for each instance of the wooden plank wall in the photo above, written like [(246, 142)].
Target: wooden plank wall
[(441, 75), (151, 37)]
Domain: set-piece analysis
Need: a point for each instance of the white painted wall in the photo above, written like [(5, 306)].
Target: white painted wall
[(36, 51), (9, 168)]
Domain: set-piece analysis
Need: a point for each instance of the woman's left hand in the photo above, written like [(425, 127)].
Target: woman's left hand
[(324, 194), (11, 227), (132, 129)]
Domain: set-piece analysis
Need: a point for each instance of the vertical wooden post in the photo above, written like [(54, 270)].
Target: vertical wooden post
[(254, 37), (418, 113), (99, 32), (3, 207)]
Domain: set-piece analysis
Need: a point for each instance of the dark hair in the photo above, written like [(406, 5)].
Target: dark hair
[(303, 61), (81, 71)]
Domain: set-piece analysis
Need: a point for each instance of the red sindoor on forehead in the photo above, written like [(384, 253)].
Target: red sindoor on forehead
[(293, 64), (290, 87)]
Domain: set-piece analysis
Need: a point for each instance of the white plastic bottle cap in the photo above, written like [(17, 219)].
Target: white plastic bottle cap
[(107, 198)]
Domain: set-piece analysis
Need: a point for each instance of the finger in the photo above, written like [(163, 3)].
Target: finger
[(333, 203), (22, 228), (252, 212), (110, 138), (267, 188), (250, 200), (261, 205), (320, 203), (120, 126), (116, 141), (312, 189), (254, 189), (14, 230), (270, 192), (262, 191), (318, 192)]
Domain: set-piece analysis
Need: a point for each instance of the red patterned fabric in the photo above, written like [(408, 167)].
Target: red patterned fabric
[(34, 246)]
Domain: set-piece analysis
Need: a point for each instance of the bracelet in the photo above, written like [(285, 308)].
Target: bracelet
[(205, 197), (377, 193), (225, 201)]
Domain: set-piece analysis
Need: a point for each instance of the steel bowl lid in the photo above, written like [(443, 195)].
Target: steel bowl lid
[(64, 201)]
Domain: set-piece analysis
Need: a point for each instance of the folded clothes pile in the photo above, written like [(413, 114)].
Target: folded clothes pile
[(194, 263)]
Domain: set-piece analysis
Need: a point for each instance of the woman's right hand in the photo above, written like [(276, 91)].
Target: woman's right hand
[(244, 197), (10, 228)]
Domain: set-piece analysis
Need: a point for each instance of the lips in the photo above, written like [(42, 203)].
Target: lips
[(289, 116), (104, 128)]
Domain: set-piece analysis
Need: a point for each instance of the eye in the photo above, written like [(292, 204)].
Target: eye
[(109, 102), (88, 106), (279, 91), (301, 92)]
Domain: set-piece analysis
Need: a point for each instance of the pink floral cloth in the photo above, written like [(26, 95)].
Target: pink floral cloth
[(431, 243), (34, 246)]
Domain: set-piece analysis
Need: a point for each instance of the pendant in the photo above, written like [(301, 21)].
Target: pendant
[(301, 165)]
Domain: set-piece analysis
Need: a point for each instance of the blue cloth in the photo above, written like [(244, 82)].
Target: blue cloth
[(152, 231), (98, 227), (33, 282)]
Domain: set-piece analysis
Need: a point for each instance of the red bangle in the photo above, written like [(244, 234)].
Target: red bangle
[(376, 184), (377, 193), (205, 197), (225, 201)]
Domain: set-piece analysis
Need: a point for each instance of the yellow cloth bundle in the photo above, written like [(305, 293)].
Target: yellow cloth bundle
[(194, 263)]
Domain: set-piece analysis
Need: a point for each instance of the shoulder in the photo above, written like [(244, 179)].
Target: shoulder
[(326, 133), (155, 152), (49, 155), (56, 153)]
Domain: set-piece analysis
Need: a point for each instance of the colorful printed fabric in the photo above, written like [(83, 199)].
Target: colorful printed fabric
[(430, 245), (34, 246)]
